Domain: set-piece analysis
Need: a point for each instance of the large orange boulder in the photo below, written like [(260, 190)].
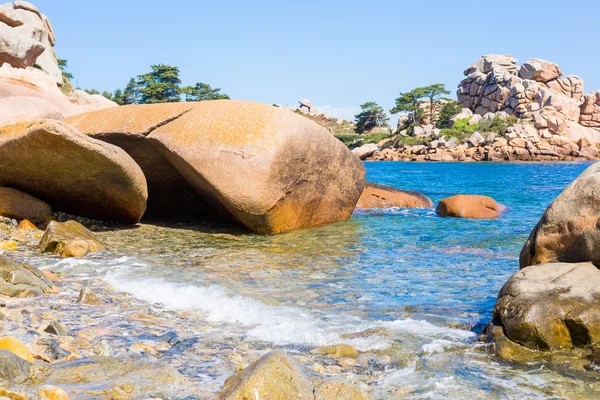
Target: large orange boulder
[(381, 196), (268, 168), (469, 206), (72, 172)]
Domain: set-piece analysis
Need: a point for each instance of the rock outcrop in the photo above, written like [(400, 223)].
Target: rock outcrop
[(381, 196), (27, 39), (22, 280), (548, 310), (546, 117), (267, 168), (278, 376), (536, 92), (21, 206), (69, 239), (469, 206), (365, 151), (568, 231), (29, 73), (72, 172)]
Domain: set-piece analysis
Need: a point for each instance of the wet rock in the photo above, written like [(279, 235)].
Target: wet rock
[(142, 377), (569, 230), (69, 239), (28, 226), (72, 172), (469, 206), (48, 350), (55, 328), (278, 376), (13, 369), (544, 310), (302, 176), (22, 280), (18, 205), (49, 392), (15, 346), (87, 296), (275, 376), (381, 196), (337, 351), (335, 389), (10, 395)]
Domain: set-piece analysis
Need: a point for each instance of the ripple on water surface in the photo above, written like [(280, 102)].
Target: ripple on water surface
[(403, 284)]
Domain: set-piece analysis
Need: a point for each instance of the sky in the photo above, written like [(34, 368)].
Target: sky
[(338, 54)]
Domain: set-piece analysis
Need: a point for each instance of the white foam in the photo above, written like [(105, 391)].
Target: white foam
[(275, 324)]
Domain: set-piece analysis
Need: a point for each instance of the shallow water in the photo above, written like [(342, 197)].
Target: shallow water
[(409, 289)]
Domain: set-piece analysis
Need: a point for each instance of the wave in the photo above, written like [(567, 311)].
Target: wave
[(280, 325)]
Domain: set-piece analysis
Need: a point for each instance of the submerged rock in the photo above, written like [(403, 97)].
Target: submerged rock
[(469, 206), (339, 390), (13, 369), (21, 206), (270, 169), (69, 239), (337, 351), (22, 280), (381, 196), (569, 230), (544, 310), (72, 172), (49, 392), (16, 347)]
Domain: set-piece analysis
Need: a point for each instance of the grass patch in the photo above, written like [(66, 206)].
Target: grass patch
[(355, 140)]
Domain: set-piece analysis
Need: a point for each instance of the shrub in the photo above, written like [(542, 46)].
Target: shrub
[(354, 140), (497, 124), (449, 110)]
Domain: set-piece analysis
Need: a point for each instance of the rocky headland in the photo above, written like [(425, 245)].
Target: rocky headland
[(510, 113)]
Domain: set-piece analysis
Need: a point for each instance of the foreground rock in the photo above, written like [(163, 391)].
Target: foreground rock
[(69, 239), (270, 169), (381, 196), (22, 280), (568, 230), (21, 206), (469, 206), (72, 172), (547, 310), (278, 376)]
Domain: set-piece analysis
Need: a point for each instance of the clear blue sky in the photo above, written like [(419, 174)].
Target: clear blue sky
[(336, 53)]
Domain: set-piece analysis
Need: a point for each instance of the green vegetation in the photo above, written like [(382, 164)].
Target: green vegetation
[(161, 85), (449, 110), (410, 102), (497, 125), (371, 116), (67, 87), (462, 130)]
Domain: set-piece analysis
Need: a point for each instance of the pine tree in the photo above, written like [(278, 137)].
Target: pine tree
[(202, 92), (161, 85), (131, 93), (372, 115)]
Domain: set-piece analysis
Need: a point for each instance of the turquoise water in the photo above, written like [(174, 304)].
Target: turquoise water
[(407, 288)]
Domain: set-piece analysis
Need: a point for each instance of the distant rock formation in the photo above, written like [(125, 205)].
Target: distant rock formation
[(29, 73), (536, 92), (27, 39)]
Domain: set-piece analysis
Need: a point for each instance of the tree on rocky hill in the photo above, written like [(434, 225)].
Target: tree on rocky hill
[(434, 94), (410, 102), (202, 92), (372, 115)]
